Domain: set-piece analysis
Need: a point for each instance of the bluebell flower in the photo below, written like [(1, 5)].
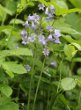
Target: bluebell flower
[(50, 38), (23, 33), (35, 17), (46, 52), (57, 33), (50, 12), (26, 24), (42, 39), (25, 40), (52, 9), (49, 28), (31, 38), (41, 6), (57, 41)]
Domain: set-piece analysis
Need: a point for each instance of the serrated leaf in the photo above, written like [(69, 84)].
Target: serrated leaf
[(68, 84), (5, 89)]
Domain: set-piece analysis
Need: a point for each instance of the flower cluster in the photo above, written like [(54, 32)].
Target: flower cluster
[(33, 23)]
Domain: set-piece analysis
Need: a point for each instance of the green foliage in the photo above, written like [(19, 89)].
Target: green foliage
[(35, 75)]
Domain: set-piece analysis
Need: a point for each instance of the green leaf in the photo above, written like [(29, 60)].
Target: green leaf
[(9, 106), (16, 21), (16, 52), (76, 3), (14, 67), (68, 84), (77, 46), (5, 89), (69, 51), (5, 10)]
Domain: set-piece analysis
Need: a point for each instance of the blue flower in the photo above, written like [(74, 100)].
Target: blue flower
[(23, 33), (25, 40), (31, 38), (46, 52), (42, 40), (50, 12), (50, 38), (41, 6), (26, 24), (57, 41), (57, 33), (49, 28)]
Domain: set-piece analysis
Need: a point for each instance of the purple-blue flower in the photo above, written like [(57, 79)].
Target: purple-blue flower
[(57, 33), (50, 12), (31, 38), (42, 39), (26, 24), (23, 33), (57, 41), (25, 40), (41, 6), (50, 38), (46, 52), (49, 28)]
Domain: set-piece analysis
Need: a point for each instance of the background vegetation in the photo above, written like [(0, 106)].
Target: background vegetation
[(36, 76)]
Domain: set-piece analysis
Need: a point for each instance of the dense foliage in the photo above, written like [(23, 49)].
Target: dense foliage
[(40, 54)]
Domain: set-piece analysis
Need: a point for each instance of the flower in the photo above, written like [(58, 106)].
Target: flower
[(23, 33), (26, 24), (25, 40), (57, 41), (49, 28), (46, 52), (31, 38), (50, 38), (34, 18), (50, 12), (41, 6), (57, 33), (42, 40)]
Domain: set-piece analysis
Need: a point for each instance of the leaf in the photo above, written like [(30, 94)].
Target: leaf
[(7, 104), (5, 89), (10, 106), (16, 21), (5, 10), (68, 84), (76, 3), (69, 51), (63, 10), (16, 52), (14, 67), (77, 46)]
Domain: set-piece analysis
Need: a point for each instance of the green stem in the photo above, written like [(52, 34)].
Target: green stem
[(38, 85)]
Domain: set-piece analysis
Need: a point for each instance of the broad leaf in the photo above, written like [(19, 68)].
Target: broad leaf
[(68, 83)]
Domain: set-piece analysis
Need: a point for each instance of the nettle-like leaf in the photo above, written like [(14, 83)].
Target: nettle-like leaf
[(16, 52), (5, 89), (68, 83), (69, 51), (13, 67)]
